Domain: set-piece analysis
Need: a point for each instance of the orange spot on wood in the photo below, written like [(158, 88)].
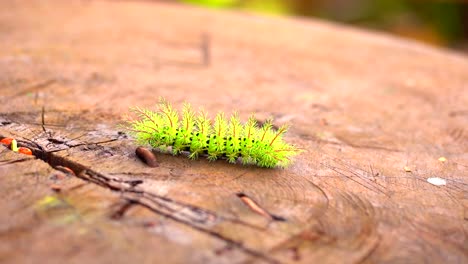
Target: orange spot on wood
[(25, 151), (6, 141)]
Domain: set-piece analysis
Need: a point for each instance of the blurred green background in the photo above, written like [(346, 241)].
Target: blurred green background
[(442, 23)]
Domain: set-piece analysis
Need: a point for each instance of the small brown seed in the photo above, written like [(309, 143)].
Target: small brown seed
[(147, 157)]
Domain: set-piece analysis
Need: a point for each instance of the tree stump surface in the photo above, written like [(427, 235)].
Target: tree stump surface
[(363, 106)]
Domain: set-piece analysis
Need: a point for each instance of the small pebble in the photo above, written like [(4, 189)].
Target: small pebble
[(147, 157), (437, 181), (442, 159), (407, 169)]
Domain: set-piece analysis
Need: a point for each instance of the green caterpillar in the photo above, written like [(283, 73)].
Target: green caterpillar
[(167, 131)]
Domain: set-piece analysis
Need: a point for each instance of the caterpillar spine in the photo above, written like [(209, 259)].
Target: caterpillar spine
[(224, 138)]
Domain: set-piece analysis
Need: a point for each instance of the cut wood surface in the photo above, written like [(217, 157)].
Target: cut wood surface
[(373, 114)]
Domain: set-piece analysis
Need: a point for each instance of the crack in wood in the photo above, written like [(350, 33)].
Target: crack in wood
[(120, 212), (43, 121), (257, 254), (370, 185), (8, 162), (192, 216), (196, 214)]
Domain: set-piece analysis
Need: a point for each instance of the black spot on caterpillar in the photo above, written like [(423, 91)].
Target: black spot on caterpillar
[(224, 138)]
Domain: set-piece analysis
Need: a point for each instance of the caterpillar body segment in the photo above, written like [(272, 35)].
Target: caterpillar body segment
[(223, 137)]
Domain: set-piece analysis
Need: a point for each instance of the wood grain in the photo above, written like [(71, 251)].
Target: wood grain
[(363, 105)]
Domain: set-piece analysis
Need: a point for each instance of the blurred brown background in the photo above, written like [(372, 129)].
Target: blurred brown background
[(441, 23)]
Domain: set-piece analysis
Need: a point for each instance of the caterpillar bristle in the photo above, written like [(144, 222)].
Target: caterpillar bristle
[(222, 138)]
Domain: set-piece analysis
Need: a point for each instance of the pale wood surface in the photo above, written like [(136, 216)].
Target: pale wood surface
[(362, 105)]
